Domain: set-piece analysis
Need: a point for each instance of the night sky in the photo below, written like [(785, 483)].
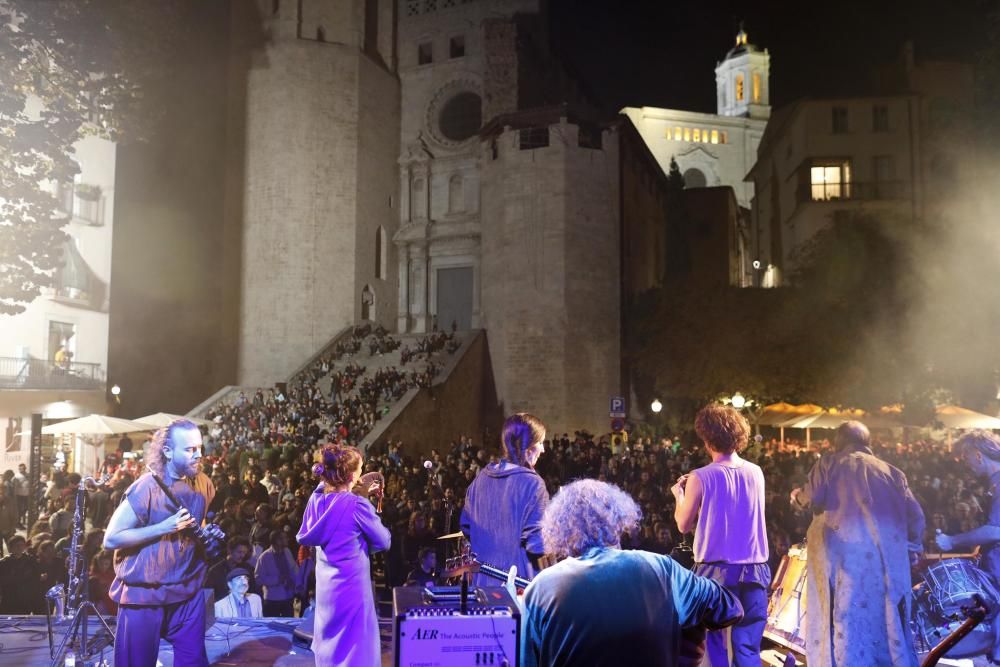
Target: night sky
[(663, 53)]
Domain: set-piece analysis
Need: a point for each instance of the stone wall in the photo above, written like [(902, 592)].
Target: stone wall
[(551, 276)]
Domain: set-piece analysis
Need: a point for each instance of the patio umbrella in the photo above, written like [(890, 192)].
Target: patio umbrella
[(161, 419), (777, 414), (96, 425), (953, 416)]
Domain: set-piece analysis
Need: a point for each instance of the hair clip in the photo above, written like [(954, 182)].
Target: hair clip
[(319, 469)]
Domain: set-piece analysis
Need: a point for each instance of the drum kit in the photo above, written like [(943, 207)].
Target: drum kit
[(942, 600)]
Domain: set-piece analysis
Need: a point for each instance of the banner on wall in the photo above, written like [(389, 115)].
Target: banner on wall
[(16, 442)]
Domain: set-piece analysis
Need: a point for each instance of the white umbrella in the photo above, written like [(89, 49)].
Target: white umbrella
[(96, 425), (953, 416), (161, 419)]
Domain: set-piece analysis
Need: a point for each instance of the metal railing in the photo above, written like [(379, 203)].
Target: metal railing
[(16, 373), (854, 191)]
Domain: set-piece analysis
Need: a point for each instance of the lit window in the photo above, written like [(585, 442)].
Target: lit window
[(830, 181), (687, 134), (756, 87), (739, 87), (715, 136), (678, 134), (697, 134)]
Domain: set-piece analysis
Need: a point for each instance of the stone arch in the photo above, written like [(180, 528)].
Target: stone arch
[(368, 303), (695, 178)]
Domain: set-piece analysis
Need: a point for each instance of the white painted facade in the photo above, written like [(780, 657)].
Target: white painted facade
[(721, 148)]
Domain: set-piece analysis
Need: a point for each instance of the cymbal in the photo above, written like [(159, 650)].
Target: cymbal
[(452, 536)]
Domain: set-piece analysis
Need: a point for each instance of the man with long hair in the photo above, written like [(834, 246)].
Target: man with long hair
[(504, 504), (980, 451), (602, 606), (865, 521), (159, 569), (726, 499)]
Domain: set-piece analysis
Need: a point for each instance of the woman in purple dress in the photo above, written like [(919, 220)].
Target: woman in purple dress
[(344, 528)]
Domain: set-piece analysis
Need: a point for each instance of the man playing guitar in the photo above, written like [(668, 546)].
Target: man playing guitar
[(159, 565)]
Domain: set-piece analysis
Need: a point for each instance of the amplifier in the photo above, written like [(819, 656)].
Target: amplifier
[(430, 629)]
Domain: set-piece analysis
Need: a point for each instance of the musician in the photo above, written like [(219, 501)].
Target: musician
[(425, 574), (504, 504), (865, 520), (240, 602), (344, 527), (980, 450), (159, 569), (603, 606), (726, 498)]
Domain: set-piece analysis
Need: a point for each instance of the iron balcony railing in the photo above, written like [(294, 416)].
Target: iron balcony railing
[(854, 191), (18, 373)]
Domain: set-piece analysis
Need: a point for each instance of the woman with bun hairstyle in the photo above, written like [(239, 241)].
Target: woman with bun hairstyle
[(505, 502), (344, 528)]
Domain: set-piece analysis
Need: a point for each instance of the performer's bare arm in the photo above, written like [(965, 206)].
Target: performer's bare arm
[(124, 530), (986, 534), (687, 493)]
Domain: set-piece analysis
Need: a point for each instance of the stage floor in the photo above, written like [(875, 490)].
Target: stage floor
[(258, 642)]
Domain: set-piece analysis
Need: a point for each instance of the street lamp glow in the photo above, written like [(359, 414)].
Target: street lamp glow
[(738, 401), (656, 406), (115, 390)]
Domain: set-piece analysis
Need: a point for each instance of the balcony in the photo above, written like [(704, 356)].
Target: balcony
[(853, 191), (44, 374)]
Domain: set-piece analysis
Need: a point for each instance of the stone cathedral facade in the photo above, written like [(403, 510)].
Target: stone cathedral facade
[(422, 164)]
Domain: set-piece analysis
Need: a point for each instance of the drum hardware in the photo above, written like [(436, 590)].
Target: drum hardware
[(786, 609), (974, 615), (940, 604)]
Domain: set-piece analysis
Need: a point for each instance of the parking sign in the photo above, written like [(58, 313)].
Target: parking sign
[(618, 407)]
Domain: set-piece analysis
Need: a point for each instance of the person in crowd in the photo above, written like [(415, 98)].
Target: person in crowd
[(344, 528), (237, 557), (725, 500), (605, 606), (8, 518), (504, 504), (865, 523), (18, 571), (101, 576), (426, 573), (239, 602), (275, 573), (159, 570), (22, 492), (980, 451)]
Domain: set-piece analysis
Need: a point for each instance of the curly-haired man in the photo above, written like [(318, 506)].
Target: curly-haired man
[(726, 500), (602, 606)]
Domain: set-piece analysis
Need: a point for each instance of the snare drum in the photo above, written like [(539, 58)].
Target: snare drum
[(937, 607)]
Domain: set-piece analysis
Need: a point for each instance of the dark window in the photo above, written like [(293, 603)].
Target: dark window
[(425, 53), (456, 47), (534, 137), (461, 116), (371, 27), (880, 118), (839, 120), (590, 137)]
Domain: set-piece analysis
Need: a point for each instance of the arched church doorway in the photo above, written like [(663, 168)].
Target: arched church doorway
[(454, 298), (368, 303), (695, 178)]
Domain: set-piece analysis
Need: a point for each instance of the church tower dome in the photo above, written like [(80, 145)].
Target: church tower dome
[(742, 80)]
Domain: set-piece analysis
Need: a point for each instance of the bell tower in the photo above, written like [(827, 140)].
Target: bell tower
[(742, 80)]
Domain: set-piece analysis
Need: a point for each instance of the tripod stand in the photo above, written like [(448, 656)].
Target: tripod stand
[(75, 593)]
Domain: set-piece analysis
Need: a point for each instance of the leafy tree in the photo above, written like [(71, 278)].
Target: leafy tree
[(68, 69)]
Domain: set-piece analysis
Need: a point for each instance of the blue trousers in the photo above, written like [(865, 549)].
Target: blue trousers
[(140, 628), (743, 638)]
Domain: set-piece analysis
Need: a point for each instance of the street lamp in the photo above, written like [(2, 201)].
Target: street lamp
[(738, 401), (656, 406)]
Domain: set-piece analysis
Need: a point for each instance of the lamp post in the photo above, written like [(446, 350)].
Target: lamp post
[(656, 406), (116, 395), (738, 401)]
